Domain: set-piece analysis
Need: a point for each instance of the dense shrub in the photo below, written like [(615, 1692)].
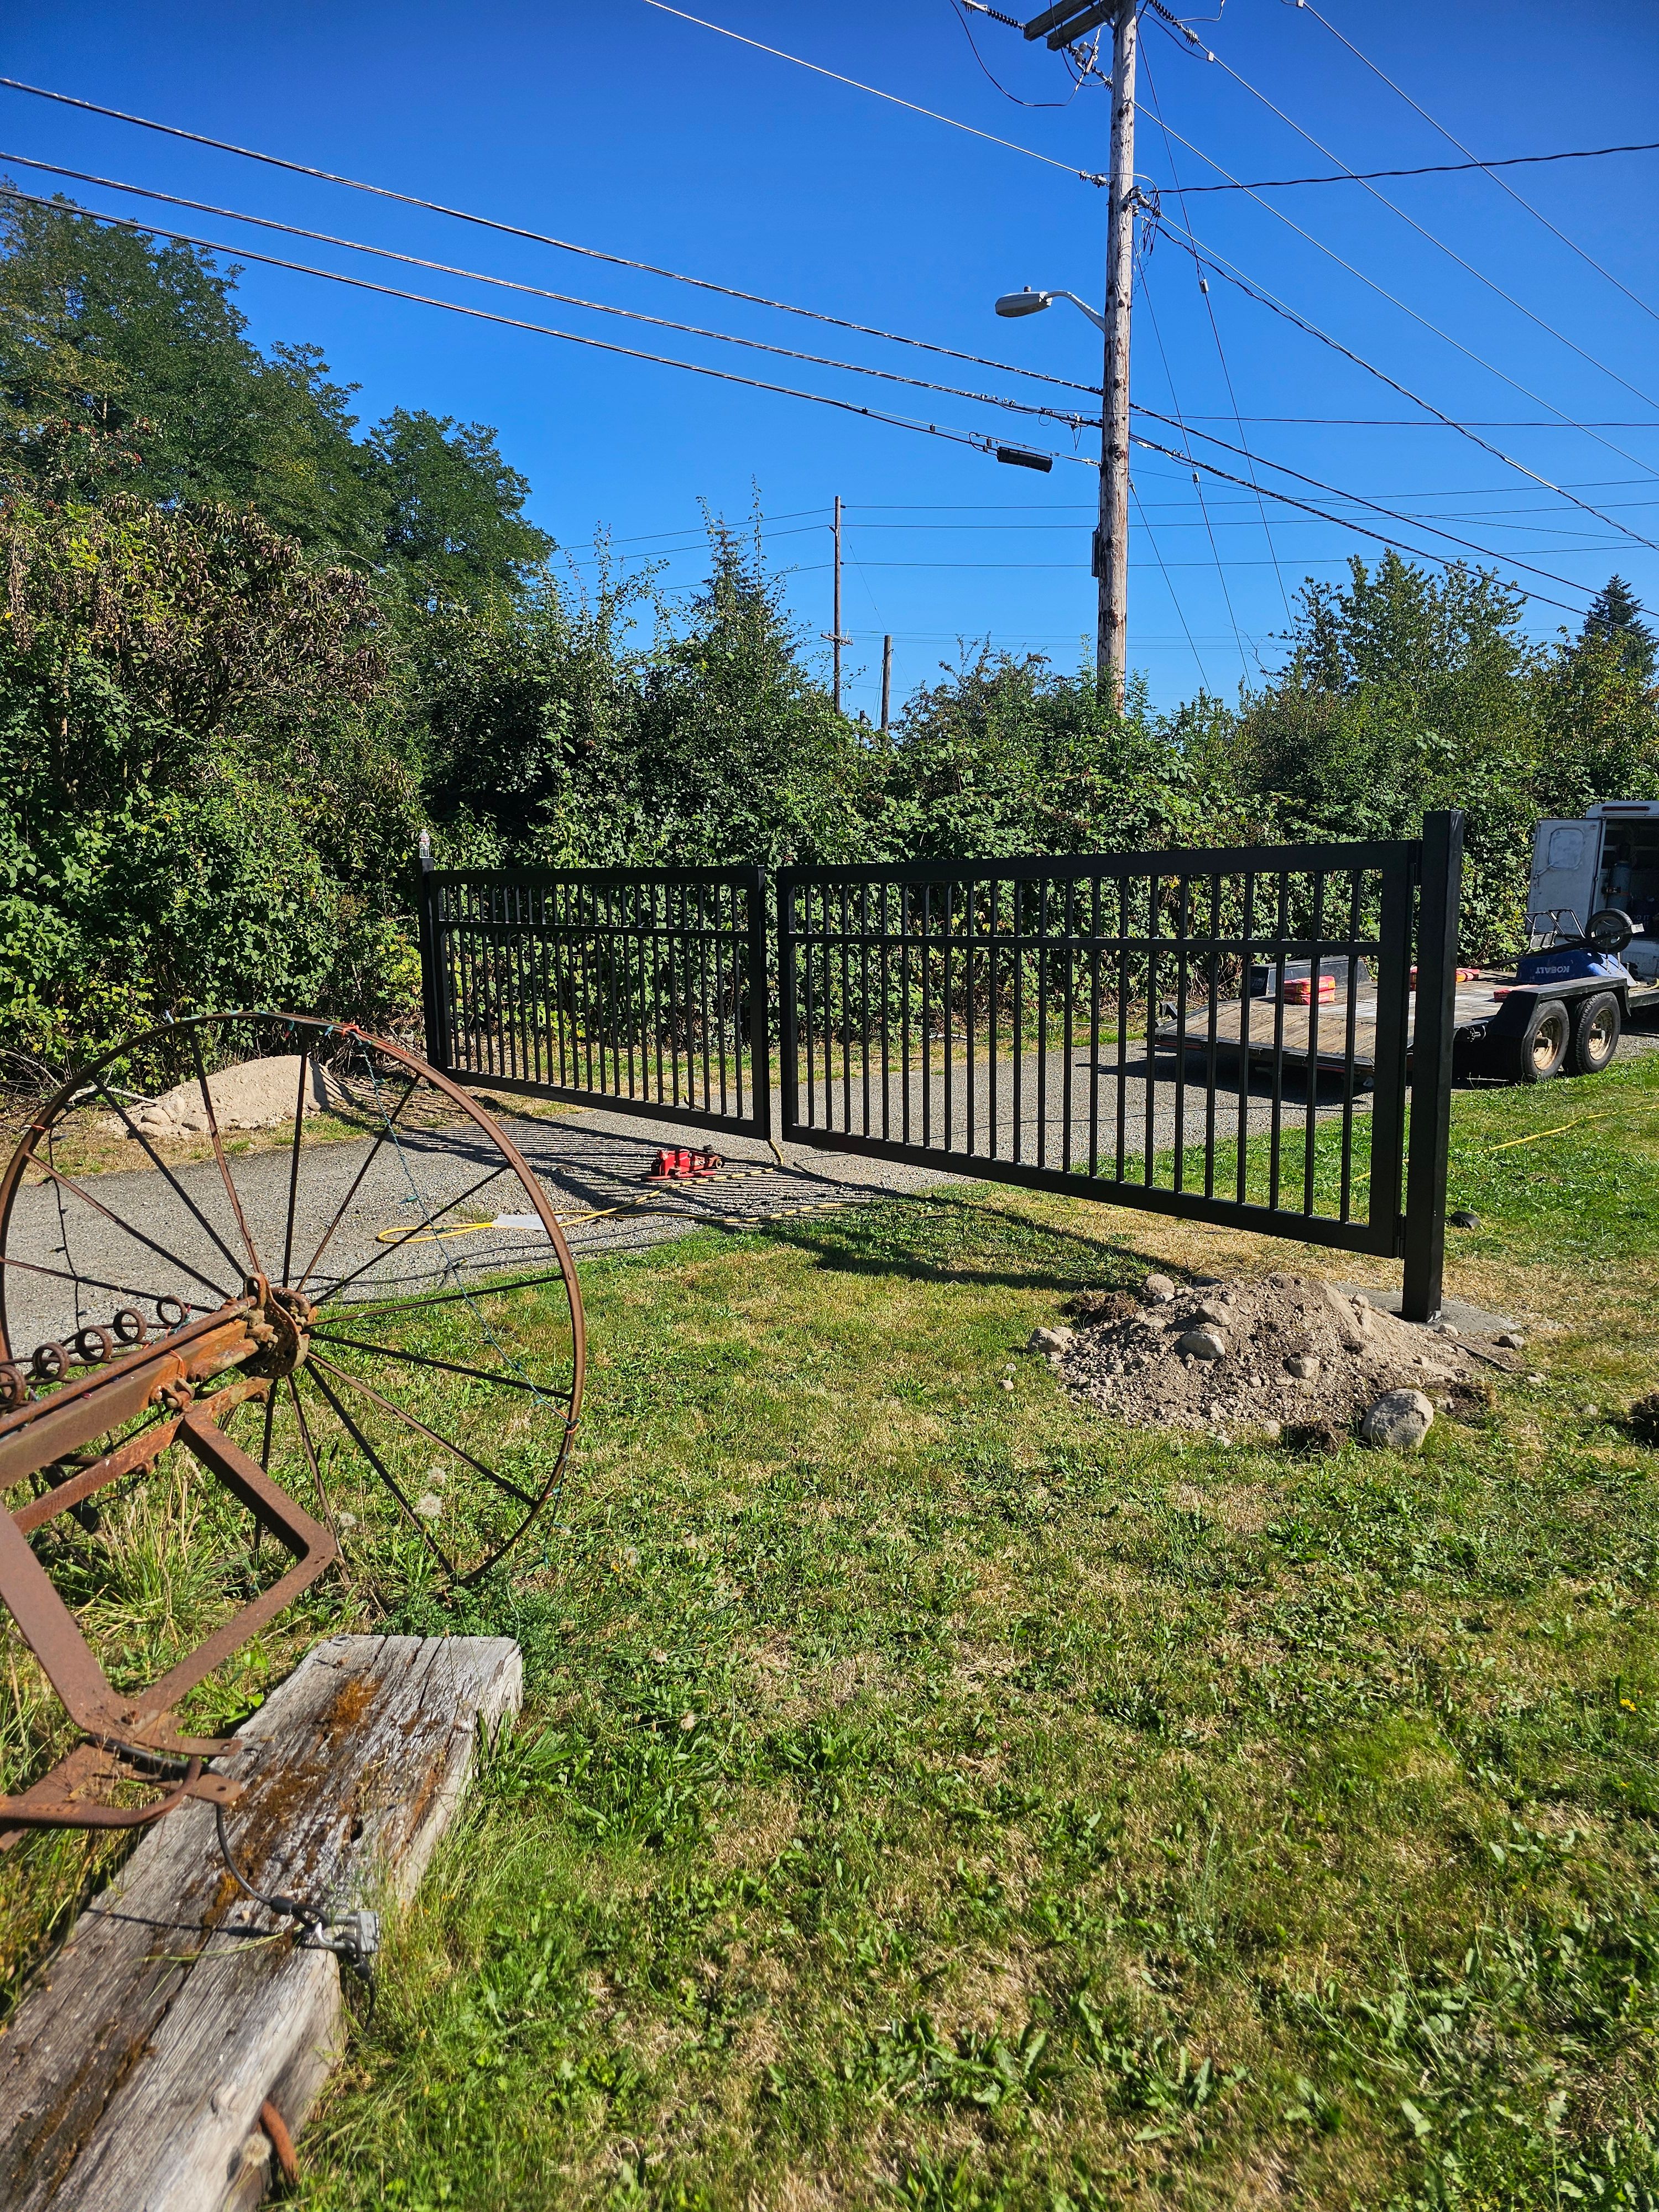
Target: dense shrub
[(188, 740)]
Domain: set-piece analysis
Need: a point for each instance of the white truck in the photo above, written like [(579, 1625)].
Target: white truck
[(1610, 858), (1593, 926)]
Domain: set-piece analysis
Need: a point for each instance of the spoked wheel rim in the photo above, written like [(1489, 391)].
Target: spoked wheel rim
[(430, 1411)]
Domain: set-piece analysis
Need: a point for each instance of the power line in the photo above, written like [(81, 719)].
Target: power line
[(1088, 176), (1181, 613), (1451, 252), (978, 440), (1393, 513), (1215, 550), (1384, 294), (1489, 167), (1416, 552), (1209, 258), (1410, 422), (1215, 333), (991, 75), (1428, 168), (535, 237), (1071, 418)]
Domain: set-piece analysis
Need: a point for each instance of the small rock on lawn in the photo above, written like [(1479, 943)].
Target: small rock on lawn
[(1399, 1420)]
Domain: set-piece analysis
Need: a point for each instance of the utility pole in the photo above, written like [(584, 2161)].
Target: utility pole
[(1111, 561), (1063, 24), (837, 637), (886, 679)]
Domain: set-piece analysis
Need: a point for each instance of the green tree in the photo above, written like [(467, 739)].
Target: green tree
[(559, 734), (1615, 618), (124, 363), (1006, 756), (1403, 691), (454, 511)]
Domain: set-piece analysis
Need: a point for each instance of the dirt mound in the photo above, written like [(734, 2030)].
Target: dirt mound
[(1291, 1355)]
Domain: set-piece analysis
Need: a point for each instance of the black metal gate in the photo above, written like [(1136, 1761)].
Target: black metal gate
[(1226, 1036), (1231, 1035), (643, 990)]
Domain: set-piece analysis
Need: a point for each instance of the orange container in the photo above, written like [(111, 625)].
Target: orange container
[(1298, 991)]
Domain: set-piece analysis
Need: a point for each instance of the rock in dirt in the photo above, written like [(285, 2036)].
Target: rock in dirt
[(1050, 1340), (1399, 1420), (1294, 1352), (1205, 1343), (1512, 1340), (1159, 1290)]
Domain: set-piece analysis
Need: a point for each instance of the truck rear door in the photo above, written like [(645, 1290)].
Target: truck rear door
[(1566, 859)]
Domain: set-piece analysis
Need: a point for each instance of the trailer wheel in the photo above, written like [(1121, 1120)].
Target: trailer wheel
[(1596, 1030), (1539, 1054)]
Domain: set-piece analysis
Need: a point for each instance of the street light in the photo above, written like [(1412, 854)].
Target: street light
[(1027, 302)]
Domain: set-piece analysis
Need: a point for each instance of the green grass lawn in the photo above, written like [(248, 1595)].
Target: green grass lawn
[(933, 1795)]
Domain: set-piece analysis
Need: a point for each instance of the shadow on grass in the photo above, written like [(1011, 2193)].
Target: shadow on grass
[(941, 1238)]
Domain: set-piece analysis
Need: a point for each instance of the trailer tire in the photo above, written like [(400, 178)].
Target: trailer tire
[(1598, 1024), (1541, 1051)]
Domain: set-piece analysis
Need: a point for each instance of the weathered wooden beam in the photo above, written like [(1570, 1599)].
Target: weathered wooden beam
[(133, 2074)]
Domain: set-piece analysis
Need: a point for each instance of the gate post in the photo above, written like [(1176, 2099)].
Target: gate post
[(788, 1033), (432, 976), (1440, 884), (760, 1046)]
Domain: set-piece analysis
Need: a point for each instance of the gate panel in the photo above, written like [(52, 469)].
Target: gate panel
[(1221, 1035), (643, 990)]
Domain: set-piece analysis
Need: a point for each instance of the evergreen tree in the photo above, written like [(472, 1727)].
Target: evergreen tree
[(1615, 616)]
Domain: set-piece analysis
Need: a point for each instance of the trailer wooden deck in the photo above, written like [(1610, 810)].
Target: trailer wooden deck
[(1476, 1001)]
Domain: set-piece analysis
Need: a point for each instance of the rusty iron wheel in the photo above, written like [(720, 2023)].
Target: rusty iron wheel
[(423, 1330)]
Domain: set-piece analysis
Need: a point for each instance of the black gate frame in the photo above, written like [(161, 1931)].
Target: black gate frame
[(521, 913), (1421, 881)]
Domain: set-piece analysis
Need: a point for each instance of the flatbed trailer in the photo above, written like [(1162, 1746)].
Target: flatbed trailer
[(1512, 1032)]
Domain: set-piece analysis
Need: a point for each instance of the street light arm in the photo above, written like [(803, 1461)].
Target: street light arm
[(1094, 316)]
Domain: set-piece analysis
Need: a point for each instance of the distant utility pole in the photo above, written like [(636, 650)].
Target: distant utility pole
[(886, 679), (837, 636)]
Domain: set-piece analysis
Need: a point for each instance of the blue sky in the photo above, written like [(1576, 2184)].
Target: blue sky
[(623, 128)]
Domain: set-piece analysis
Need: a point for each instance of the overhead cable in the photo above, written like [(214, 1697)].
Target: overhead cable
[(977, 440), (1013, 23), (1220, 351), (1382, 293), (1450, 251), (1426, 168), (1069, 416), (1198, 485), (1210, 259), (1489, 166), (1181, 613), (1088, 176), (535, 237), (1418, 521), (1416, 552)]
